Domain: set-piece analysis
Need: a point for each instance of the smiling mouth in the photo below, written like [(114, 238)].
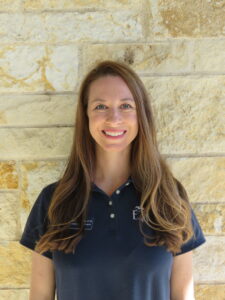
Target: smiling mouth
[(114, 133)]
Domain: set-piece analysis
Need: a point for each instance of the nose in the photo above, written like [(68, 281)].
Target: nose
[(114, 115)]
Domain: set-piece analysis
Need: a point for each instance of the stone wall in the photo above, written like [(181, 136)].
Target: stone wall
[(177, 48)]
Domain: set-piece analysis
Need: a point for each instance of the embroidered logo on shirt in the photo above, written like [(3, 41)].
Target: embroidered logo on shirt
[(88, 225), (136, 212)]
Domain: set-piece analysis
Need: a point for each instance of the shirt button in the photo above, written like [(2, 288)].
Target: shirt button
[(110, 202), (117, 192), (112, 216)]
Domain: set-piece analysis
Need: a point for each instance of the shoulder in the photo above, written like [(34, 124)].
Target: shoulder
[(45, 195), (50, 188)]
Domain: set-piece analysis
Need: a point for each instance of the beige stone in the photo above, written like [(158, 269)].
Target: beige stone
[(203, 179), (151, 58), (37, 110), (189, 18), (176, 18), (8, 175), (26, 68), (189, 113), (211, 217), (38, 143), (209, 261), (122, 25), (10, 5), (210, 292), (15, 265), (212, 21), (80, 4), (9, 216), (35, 175), (14, 294), (208, 55)]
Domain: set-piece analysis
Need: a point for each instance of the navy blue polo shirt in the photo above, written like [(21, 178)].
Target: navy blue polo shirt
[(111, 261)]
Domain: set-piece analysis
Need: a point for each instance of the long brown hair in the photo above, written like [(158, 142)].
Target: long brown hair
[(164, 203)]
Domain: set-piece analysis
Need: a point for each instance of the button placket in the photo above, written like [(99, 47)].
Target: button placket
[(114, 223)]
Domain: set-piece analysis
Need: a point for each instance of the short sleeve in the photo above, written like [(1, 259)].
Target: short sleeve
[(197, 239), (36, 223)]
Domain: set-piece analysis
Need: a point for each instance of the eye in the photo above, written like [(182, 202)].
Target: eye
[(129, 106), (98, 106)]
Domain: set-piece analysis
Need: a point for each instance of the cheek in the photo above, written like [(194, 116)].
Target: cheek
[(94, 121), (95, 118), (132, 118)]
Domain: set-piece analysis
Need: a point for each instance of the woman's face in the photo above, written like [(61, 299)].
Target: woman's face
[(112, 111)]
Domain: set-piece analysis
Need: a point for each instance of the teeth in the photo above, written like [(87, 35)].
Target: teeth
[(114, 133)]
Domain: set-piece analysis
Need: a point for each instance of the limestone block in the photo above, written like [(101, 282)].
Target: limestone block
[(209, 261), (176, 18), (212, 21), (10, 5), (155, 57), (80, 4), (210, 292), (20, 143), (122, 25), (38, 68), (15, 265), (209, 55), (9, 216), (189, 113), (211, 217), (36, 110), (35, 175), (203, 179), (8, 175), (14, 294), (189, 18)]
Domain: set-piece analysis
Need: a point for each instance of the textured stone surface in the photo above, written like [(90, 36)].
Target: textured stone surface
[(189, 113), (10, 5), (208, 55), (71, 27), (35, 142), (35, 175), (210, 292), (8, 175), (188, 18), (9, 216), (37, 110), (176, 18), (36, 68), (15, 265), (81, 4), (154, 57), (14, 294), (209, 261), (203, 179), (211, 217), (212, 21)]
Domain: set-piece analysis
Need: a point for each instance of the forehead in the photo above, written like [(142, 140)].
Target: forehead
[(109, 86)]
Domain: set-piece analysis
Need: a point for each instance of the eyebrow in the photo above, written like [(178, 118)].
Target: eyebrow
[(102, 100)]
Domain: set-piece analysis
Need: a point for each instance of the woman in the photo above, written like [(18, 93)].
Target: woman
[(117, 225)]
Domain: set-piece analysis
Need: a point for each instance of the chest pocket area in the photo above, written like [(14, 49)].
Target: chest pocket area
[(88, 225)]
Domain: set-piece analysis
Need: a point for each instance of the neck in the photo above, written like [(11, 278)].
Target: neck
[(112, 166)]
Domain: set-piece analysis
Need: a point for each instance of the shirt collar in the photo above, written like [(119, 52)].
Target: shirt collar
[(129, 180)]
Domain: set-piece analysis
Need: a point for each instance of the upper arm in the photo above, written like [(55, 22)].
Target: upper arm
[(42, 285), (181, 282)]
